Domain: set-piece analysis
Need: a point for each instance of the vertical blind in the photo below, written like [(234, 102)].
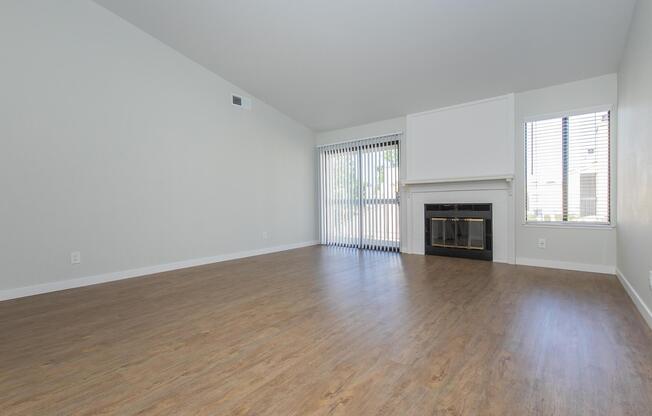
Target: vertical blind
[(359, 193), (568, 169)]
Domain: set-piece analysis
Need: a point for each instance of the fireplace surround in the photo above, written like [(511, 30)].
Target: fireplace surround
[(459, 230)]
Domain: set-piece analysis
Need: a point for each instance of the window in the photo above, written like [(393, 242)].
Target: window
[(359, 201), (568, 174)]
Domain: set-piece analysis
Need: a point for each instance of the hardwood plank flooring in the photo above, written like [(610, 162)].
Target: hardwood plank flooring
[(328, 331)]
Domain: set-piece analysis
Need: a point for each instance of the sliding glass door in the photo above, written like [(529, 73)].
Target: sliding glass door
[(359, 204)]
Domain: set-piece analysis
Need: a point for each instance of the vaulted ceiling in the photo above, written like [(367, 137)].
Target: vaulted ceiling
[(337, 63)]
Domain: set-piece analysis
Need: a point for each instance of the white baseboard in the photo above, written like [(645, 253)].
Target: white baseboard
[(143, 271), (640, 305), (565, 265)]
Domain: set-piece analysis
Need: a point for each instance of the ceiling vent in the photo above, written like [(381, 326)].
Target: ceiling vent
[(240, 101)]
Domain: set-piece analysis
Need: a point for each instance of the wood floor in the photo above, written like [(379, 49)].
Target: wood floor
[(327, 331)]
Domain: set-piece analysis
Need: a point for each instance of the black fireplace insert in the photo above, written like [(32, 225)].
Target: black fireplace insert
[(459, 230)]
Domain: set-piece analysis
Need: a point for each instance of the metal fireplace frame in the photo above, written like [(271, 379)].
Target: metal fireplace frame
[(454, 214)]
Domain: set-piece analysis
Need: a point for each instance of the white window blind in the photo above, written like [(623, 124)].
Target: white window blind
[(359, 185), (568, 170)]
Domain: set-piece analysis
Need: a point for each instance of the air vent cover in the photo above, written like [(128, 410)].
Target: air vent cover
[(240, 101)]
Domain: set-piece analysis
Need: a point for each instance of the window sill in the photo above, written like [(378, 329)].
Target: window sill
[(576, 225)]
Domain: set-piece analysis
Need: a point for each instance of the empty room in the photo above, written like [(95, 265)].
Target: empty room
[(343, 207)]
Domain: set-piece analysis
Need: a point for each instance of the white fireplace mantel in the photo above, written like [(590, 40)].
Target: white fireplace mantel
[(496, 190), (507, 178)]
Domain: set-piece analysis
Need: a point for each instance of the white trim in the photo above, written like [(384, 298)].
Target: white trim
[(569, 224), (462, 105), (567, 265), (142, 271), (379, 136), (638, 301), (505, 177), (569, 113), (426, 190)]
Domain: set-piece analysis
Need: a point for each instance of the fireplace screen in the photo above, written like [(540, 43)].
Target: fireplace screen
[(467, 233), (459, 230)]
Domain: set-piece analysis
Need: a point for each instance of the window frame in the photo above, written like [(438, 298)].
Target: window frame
[(612, 171)]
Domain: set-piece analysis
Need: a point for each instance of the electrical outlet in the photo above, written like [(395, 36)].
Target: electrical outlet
[(75, 257), (541, 243), (265, 235)]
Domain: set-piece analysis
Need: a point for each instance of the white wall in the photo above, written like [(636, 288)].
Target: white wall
[(591, 249), (635, 161), (117, 146), (463, 141)]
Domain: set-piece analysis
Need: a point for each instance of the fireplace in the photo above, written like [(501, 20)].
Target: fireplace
[(459, 230)]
